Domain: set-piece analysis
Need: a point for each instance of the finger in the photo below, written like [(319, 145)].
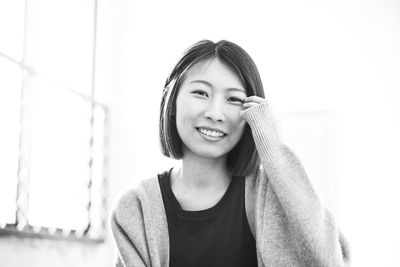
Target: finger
[(247, 105), (255, 99)]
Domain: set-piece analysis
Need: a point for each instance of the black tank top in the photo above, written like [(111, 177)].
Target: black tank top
[(218, 236)]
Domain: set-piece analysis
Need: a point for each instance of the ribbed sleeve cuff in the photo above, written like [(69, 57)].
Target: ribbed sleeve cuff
[(264, 129)]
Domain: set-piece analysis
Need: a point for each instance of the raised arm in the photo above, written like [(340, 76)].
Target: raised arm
[(312, 232)]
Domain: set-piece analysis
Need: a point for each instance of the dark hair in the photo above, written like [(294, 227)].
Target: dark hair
[(243, 159)]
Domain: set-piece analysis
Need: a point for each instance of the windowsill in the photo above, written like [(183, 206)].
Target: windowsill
[(47, 233)]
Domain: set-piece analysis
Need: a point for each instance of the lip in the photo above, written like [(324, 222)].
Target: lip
[(211, 129), (211, 138)]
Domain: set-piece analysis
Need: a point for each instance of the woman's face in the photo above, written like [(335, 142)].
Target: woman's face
[(207, 109)]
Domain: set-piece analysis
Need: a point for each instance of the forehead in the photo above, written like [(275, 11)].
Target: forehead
[(214, 71)]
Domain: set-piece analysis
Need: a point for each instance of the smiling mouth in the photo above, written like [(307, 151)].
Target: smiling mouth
[(210, 132)]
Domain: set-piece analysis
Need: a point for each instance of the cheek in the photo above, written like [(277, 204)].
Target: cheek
[(180, 110), (185, 116)]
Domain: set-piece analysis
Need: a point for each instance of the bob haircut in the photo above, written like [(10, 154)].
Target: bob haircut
[(243, 159)]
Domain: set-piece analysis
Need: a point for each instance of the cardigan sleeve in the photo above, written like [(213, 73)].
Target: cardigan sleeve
[(312, 232)]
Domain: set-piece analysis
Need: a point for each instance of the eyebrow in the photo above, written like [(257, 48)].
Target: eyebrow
[(210, 85)]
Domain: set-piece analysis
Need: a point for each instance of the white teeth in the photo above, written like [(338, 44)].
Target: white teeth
[(211, 133)]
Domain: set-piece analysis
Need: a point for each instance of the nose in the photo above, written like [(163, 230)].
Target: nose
[(215, 112)]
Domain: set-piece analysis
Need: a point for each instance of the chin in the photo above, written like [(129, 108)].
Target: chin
[(211, 154)]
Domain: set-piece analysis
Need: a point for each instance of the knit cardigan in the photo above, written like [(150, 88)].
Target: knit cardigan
[(287, 220)]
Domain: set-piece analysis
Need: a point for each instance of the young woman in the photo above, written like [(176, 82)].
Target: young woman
[(239, 197)]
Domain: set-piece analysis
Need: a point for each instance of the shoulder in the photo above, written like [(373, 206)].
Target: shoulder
[(137, 221), (131, 202)]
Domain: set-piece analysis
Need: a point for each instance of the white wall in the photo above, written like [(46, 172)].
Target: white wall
[(339, 56)]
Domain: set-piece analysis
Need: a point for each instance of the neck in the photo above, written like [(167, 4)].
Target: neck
[(202, 173)]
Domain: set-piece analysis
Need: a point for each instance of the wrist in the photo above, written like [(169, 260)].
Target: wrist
[(263, 127)]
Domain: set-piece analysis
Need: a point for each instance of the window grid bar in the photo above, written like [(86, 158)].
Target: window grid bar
[(22, 198), (7, 57), (48, 233), (90, 178), (105, 172), (94, 49), (31, 71), (89, 183)]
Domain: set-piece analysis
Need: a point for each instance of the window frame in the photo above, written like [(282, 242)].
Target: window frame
[(21, 226)]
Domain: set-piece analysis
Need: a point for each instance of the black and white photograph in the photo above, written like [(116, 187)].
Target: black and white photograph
[(199, 134)]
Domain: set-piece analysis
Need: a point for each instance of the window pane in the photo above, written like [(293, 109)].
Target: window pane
[(60, 41), (60, 154), (12, 27), (311, 135), (10, 102)]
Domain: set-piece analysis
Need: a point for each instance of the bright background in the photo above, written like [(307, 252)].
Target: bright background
[(332, 65)]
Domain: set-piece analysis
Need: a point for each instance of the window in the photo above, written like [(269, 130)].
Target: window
[(311, 135), (53, 156)]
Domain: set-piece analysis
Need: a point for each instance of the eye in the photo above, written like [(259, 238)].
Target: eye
[(236, 100), (200, 92)]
